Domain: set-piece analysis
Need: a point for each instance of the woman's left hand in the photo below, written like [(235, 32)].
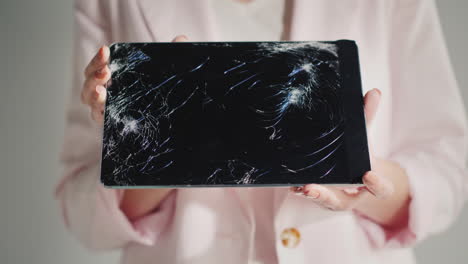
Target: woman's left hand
[(385, 193)]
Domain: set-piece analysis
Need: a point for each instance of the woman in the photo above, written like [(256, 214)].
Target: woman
[(417, 137)]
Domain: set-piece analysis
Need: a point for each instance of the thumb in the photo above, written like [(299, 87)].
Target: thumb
[(371, 104)]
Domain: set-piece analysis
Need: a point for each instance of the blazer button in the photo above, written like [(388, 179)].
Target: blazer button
[(290, 237)]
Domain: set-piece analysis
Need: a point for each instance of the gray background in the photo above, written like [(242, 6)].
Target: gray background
[(35, 56)]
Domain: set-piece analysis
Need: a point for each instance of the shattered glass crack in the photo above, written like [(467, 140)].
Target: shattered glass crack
[(222, 113)]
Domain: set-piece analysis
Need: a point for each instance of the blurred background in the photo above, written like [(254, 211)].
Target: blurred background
[(35, 48)]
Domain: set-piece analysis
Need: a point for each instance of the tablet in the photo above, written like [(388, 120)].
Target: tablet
[(200, 114)]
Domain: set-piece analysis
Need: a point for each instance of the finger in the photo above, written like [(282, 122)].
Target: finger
[(101, 97), (97, 115), (97, 109), (180, 38), (99, 78), (379, 186), (324, 196), (371, 103), (297, 190), (354, 191), (98, 61)]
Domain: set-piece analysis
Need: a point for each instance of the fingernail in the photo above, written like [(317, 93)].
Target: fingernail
[(311, 193), (297, 189), (378, 91), (100, 52), (351, 191), (100, 89)]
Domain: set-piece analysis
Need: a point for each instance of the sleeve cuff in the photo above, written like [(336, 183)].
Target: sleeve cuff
[(149, 227), (92, 213), (382, 237), (431, 207), (145, 230)]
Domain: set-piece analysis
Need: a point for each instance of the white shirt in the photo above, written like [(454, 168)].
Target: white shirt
[(253, 21)]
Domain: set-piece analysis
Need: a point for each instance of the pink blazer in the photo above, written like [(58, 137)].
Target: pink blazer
[(420, 124)]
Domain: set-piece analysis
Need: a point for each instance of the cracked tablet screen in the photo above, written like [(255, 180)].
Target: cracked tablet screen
[(203, 114)]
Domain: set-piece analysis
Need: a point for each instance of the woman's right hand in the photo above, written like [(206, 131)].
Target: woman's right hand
[(135, 202), (97, 74)]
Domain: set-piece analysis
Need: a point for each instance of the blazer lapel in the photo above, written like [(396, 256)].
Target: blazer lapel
[(280, 195)]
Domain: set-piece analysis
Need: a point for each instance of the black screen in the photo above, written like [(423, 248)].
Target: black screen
[(239, 113)]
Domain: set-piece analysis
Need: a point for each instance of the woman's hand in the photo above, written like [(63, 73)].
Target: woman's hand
[(135, 202), (385, 196), (97, 74)]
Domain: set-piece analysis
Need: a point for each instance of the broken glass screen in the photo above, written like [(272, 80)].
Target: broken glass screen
[(234, 114)]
